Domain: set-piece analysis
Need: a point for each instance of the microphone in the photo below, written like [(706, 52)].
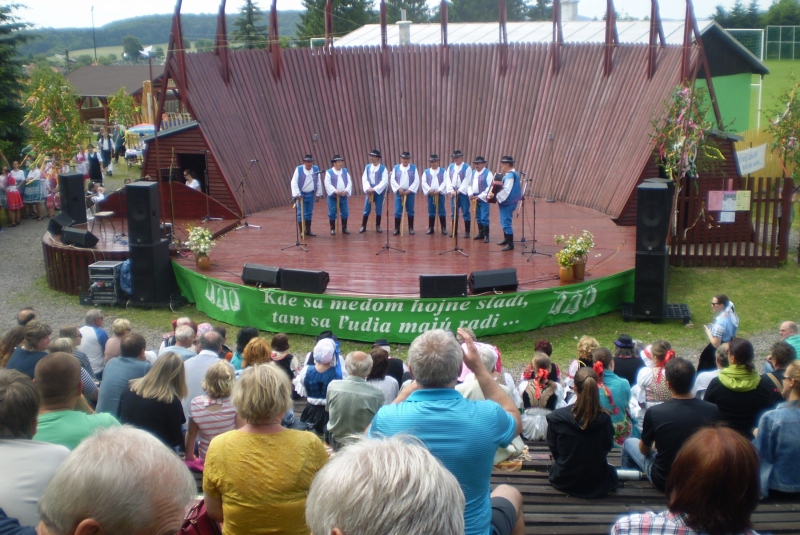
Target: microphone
[(524, 174), (253, 161)]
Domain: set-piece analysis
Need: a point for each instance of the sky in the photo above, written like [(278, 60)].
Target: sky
[(78, 13)]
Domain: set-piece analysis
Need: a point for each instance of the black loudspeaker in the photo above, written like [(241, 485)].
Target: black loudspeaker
[(59, 222), (651, 283), (669, 182), (493, 280), (301, 280), (166, 173), (143, 227), (654, 205), (73, 197), (78, 237), (152, 278), (261, 275), (442, 286)]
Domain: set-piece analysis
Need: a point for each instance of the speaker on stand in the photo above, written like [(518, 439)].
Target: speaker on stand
[(73, 196)]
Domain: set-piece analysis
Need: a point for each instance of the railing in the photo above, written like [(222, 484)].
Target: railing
[(758, 236), (171, 120)]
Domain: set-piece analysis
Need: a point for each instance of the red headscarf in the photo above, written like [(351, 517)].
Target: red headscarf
[(667, 356), (540, 381), (599, 369)]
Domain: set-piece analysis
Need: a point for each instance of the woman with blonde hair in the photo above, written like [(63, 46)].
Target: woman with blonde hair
[(586, 345), (10, 341), (651, 386), (256, 478), (213, 413), (120, 328), (153, 402)]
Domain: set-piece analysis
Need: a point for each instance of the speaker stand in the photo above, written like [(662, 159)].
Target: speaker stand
[(523, 241), (386, 248), (118, 238), (297, 243)]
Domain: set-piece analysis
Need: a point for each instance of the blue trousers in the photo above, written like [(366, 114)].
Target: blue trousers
[(482, 212), (463, 205), (633, 458), (378, 197), (398, 205), (308, 206), (507, 218), (432, 205), (342, 205)]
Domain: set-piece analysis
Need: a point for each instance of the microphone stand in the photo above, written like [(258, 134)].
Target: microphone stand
[(240, 187), (208, 192), (456, 248), (388, 247), (297, 243), (118, 238), (527, 181), (533, 250)]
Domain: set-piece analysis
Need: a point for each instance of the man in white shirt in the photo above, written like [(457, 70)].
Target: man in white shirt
[(93, 341), (191, 181), (459, 174), (374, 181), (197, 366), (184, 341), (305, 185), (507, 198), (481, 186), (338, 187), (405, 183), (435, 186)]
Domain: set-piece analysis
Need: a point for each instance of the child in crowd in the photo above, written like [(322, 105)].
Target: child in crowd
[(540, 396)]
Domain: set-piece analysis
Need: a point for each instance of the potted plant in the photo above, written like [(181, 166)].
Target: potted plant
[(564, 259), (575, 252), (200, 243)]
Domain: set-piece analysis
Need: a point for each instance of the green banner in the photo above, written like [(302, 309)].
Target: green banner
[(401, 320)]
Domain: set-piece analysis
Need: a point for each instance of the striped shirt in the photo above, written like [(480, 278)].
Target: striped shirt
[(211, 423), (663, 523)]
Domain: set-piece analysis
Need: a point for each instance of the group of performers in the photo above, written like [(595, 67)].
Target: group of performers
[(464, 185)]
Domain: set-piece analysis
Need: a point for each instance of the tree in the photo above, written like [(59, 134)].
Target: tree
[(739, 16), (104, 60), (248, 30), (84, 60), (416, 11), (203, 45), (541, 10), (483, 10), (123, 108), (158, 53), (12, 134), (348, 15), (131, 48), (782, 13)]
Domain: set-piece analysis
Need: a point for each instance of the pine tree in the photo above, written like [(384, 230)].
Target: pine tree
[(416, 11), (541, 10), (348, 15), (248, 30), (12, 134), (483, 10)]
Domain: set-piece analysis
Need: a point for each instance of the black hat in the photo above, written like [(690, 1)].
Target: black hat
[(479, 159), (308, 158), (405, 155), (337, 158), (434, 158), (508, 160), (624, 340), (457, 154), (375, 153), (380, 342)]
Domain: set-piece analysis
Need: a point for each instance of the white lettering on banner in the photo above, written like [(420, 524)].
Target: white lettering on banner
[(570, 302), (751, 160), (223, 298)]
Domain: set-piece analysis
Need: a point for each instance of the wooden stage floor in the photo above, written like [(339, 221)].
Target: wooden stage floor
[(356, 269)]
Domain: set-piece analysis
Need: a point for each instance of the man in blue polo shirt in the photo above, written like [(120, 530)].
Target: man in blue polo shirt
[(463, 434)]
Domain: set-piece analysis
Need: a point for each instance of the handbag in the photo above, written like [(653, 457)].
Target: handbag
[(198, 522)]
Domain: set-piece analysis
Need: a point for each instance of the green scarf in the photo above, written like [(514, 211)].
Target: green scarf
[(737, 378)]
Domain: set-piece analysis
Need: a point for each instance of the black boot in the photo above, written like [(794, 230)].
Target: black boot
[(308, 228), (363, 228), (509, 242), (443, 223), (411, 224), (505, 239), (467, 228), (333, 227), (431, 222), (378, 228), (486, 234), (344, 226), (396, 226), (455, 227), (480, 232)]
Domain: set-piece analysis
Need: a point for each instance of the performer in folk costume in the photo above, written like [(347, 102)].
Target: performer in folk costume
[(459, 174), (338, 186), (306, 183), (405, 183), (374, 181), (507, 199), (94, 165), (81, 166), (435, 186), (481, 187)]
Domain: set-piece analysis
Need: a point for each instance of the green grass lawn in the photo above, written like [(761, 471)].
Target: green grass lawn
[(783, 74)]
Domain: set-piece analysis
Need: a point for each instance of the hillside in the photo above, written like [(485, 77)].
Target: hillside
[(149, 29)]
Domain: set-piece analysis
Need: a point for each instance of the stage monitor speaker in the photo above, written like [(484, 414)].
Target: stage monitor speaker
[(143, 227), (301, 280), (73, 196), (261, 275), (493, 280), (650, 284), (653, 208), (442, 286), (78, 237), (152, 278), (59, 222)]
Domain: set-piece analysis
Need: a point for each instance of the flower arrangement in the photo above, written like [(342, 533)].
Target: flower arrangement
[(576, 249), (200, 241)]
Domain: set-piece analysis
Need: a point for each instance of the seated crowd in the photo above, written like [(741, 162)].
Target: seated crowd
[(98, 434)]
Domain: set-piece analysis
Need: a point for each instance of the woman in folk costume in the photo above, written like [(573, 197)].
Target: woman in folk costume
[(13, 198), (81, 163), (651, 386), (316, 380), (52, 197), (615, 394), (540, 396), (34, 193)]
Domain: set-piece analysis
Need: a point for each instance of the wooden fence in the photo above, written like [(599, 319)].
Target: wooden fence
[(757, 237)]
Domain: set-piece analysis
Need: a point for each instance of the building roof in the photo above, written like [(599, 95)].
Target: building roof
[(104, 80)]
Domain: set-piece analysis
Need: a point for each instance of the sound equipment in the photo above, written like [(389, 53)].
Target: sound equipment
[(261, 275), (654, 206), (78, 237), (669, 182), (442, 286), (301, 280), (143, 224), (59, 222), (73, 196), (493, 280), (651, 283), (152, 278)]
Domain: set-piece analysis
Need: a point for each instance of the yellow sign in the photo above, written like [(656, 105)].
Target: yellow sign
[(743, 200)]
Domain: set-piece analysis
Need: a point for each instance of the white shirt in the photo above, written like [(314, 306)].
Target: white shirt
[(194, 184), (503, 194), (702, 381), (402, 180), (462, 186), (195, 369), (436, 185), (308, 186), (336, 183), (476, 178), (371, 174), (92, 348)]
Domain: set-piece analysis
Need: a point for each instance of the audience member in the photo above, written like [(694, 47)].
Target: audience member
[(389, 486), (789, 333), (184, 343), (33, 349), (242, 339), (88, 386), (781, 355), (280, 354), (379, 375), (397, 368), (260, 474), (119, 371), (627, 362), (703, 379), (73, 333), (540, 397), (11, 340), (547, 348), (212, 413), (169, 338), (579, 438), (586, 345), (463, 434), (778, 438), (121, 481), (120, 328), (25, 315), (26, 465), (352, 402), (316, 379), (712, 488), (257, 351), (58, 381), (668, 425), (225, 352), (153, 402), (738, 391), (721, 331), (210, 344), (651, 389), (615, 394), (93, 340)]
